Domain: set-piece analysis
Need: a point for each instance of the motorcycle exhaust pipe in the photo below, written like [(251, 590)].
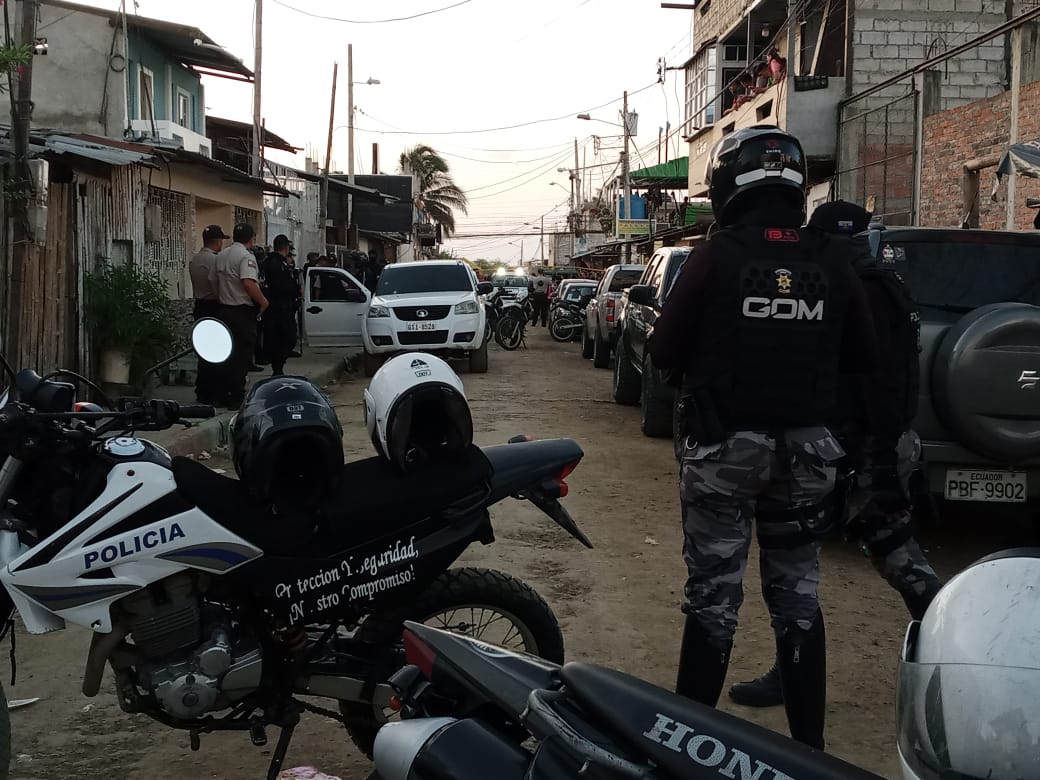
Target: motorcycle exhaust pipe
[(439, 748)]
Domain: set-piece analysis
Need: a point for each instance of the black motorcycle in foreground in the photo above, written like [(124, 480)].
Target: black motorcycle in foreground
[(209, 615), (469, 710)]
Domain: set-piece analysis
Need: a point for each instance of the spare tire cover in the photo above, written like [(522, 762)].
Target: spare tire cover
[(986, 381)]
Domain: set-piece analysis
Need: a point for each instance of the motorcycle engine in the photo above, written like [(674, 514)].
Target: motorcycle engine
[(187, 656)]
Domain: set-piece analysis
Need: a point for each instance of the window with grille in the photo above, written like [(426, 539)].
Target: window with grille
[(701, 90), (170, 252), (249, 217)]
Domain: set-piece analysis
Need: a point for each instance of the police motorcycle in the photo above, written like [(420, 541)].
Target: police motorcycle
[(967, 705), (511, 328), (218, 602), (569, 321)]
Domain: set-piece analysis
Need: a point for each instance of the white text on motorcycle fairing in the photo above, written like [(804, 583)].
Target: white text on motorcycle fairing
[(347, 581), (127, 547), (709, 751)]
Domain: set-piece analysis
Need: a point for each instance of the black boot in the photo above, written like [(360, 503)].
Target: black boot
[(917, 603), (802, 657), (702, 665), (763, 691)]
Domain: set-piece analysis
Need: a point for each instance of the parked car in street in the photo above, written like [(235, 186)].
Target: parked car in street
[(570, 291), (429, 306), (601, 315), (978, 293), (636, 381)]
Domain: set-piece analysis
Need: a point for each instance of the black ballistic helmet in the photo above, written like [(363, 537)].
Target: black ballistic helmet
[(287, 443), (762, 158)]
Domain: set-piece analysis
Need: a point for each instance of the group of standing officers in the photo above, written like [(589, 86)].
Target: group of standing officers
[(233, 285), (796, 358)]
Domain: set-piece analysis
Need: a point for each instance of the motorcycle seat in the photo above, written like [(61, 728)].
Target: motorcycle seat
[(371, 499), (690, 740)]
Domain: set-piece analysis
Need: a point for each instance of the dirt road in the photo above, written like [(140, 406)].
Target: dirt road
[(618, 603)]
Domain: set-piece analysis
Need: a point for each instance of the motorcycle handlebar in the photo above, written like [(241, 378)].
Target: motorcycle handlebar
[(197, 411)]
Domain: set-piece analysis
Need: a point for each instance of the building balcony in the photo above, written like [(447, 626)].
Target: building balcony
[(806, 107), (159, 130)]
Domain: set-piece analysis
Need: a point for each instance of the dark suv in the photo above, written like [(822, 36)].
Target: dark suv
[(979, 413), (636, 381)]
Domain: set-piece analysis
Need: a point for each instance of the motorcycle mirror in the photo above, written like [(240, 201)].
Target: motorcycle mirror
[(212, 340)]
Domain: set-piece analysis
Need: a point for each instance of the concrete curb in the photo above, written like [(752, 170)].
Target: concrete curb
[(213, 433)]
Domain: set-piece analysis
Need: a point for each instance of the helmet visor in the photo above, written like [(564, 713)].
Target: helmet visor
[(969, 722)]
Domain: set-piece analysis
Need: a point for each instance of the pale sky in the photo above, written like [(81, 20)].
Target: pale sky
[(481, 65)]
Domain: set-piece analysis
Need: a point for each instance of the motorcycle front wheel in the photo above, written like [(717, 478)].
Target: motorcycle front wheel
[(509, 333), (482, 603)]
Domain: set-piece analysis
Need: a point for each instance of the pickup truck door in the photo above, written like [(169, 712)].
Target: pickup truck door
[(643, 316), (334, 307)]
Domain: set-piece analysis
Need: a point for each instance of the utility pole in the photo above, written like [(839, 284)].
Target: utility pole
[(21, 234), (1016, 87), (258, 45), (541, 243), (323, 211), (577, 186), (350, 135), (624, 173)]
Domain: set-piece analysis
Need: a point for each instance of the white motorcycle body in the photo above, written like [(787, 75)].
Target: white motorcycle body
[(119, 544)]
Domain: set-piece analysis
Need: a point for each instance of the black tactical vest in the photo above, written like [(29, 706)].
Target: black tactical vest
[(771, 330)]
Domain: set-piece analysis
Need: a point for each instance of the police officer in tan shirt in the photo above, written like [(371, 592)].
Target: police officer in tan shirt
[(241, 303), (203, 271)]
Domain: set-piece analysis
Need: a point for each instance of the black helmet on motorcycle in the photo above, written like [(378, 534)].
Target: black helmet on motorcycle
[(288, 443), (357, 256), (761, 159)]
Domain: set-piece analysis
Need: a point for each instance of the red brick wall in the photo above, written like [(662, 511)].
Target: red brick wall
[(978, 129)]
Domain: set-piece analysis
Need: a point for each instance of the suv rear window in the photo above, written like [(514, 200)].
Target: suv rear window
[(624, 279), (419, 278), (960, 276)]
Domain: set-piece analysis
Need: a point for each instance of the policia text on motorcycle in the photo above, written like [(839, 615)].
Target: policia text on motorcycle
[(759, 382), (871, 503)]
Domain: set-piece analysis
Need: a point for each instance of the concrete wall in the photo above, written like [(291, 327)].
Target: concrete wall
[(889, 36), (978, 129), (717, 19), (69, 84)]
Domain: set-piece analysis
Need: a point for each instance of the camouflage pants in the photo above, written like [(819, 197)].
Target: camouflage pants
[(880, 512), (723, 487)]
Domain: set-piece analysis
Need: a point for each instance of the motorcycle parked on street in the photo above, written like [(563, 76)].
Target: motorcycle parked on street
[(208, 625), (468, 708), (510, 330), (569, 321)]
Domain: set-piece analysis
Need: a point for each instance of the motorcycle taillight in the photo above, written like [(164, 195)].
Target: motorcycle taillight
[(418, 653)]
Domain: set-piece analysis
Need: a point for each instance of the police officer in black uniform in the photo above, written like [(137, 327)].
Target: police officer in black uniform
[(283, 292), (873, 424), (762, 321)]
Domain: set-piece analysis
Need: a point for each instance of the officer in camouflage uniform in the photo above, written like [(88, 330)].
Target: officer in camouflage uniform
[(762, 321), (883, 452)]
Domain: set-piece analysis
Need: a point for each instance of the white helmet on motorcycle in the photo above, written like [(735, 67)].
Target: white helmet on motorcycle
[(968, 704), (416, 411)]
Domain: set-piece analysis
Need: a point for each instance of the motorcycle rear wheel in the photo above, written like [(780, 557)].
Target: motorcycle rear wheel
[(562, 329), (457, 593)]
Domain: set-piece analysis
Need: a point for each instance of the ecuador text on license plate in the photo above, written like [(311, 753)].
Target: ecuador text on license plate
[(421, 326), (999, 486)]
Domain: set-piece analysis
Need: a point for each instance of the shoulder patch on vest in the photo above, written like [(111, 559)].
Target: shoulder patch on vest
[(782, 234)]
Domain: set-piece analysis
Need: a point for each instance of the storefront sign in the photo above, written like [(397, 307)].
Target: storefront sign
[(633, 227)]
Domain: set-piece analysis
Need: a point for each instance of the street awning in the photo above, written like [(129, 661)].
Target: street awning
[(672, 175)]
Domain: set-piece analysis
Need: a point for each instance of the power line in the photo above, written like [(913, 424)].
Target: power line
[(369, 21), (568, 115)]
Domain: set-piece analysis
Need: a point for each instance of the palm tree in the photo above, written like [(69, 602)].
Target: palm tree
[(438, 194)]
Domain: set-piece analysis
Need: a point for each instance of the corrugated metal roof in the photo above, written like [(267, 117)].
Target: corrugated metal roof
[(62, 144)]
